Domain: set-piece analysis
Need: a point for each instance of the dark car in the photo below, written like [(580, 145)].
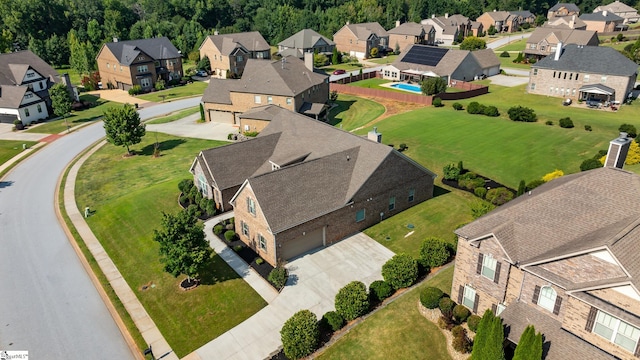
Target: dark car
[(201, 73), (339, 72)]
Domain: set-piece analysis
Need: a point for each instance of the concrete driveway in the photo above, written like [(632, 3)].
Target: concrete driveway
[(7, 133), (120, 96), (190, 127), (509, 81), (314, 280)]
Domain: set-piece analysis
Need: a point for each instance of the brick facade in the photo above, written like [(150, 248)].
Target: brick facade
[(112, 73), (224, 65), (220, 196), (257, 226)]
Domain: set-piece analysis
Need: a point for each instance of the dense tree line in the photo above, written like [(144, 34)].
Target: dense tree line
[(59, 30)]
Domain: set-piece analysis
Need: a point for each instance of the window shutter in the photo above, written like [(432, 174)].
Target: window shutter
[(494, 308), (496, 277), (536, 294), (248, 209), (479, 267), (556, 308), (475, 303), (637, 353), (460, 294), (591, 319)]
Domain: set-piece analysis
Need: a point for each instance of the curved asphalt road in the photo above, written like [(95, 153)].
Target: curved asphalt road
[(48, 304)]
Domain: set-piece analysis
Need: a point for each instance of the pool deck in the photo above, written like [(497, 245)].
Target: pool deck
[(390, 85)]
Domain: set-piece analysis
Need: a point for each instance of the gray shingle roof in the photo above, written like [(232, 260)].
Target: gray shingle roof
[(304, 39), (568, 6), (446, 66), (251, 41), (364, 30), (600, 16), (13, 67), (409, 28), (499, 15), (590, 59), (157, 48), (567, 36), (615, 7), (486, 58), (563, 22), (523, 13), (11, 96)]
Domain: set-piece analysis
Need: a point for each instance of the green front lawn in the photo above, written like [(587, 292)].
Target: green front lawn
[(515, 45), (385, 60), (353, 112), (76, 117), (74, 76), (174, 116), (508, 62), (396, 332), (346, 67), (196, 88), (11, 148), (128, 196)]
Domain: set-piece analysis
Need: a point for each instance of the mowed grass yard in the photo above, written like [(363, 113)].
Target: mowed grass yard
[(194, 89), (174, 116), (11, 148), (129, 196), (353, 112), (76, 117), (396, 332)]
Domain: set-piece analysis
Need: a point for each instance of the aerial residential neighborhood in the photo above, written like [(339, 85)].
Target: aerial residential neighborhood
[(353, 180)]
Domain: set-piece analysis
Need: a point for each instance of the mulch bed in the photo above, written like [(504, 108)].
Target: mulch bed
[(488, 184)]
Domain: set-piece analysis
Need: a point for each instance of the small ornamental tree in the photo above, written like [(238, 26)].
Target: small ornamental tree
[(123, 126), (300, 335), (204, 64), (335, 57), (60, 101), (201, 112), (400, 271), (492, 30), (473, 43), (451, 172), (521, 188), (352, 300), (629, 129), (530, 345), (434, 252), (183, 247), (433, 86), (488, 343), (374, 52)]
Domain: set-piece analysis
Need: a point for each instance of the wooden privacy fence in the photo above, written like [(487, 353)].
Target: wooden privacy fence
[(471, 90)]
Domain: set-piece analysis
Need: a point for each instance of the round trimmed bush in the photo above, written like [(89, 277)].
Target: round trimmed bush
[(480, 192), (534, 184), (456, 106), (499, 196), (548, 122), (352, 300), (300, 335), (566, 123), (590, 164), (229, 235), (588, 128), (430, 297), (446, 306), (380, 290), (437, 102), (473, 321), (434, 252), (491, 111), (629, 129), (400, 271), (185, 185), (461, 313), (218, 229), (505, 54), (333, 320), (521, 113), (278, 277)]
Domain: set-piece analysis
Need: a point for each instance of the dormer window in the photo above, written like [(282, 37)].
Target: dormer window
[(140, 58), (30, 75), (274, 167)]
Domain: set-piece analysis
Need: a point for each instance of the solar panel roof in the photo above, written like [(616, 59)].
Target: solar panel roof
[(424, 55)]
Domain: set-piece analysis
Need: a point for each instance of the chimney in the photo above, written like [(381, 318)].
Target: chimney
[(446, 15), (115, 39), (347, 22), (604, 13), (374, 135), (215, 32), (433, 16), (572, 22), (308, 61), (397, 23), (556, 57), (618, 149)]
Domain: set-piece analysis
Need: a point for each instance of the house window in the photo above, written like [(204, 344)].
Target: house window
[(565, 76), (551, 90), (39, 108), (392, 203), (245, 229), (533, 46), (535, 71), (547, 299), (360, 215), (499, 309), (262, 242), (577, 76), (543, 48), (203, 184), (28, 96), (289, 101), (140, 58), (586, 78), (533, 86), (30, 75), (603, 79), (120, 68), (269, 100), (489, 264), (146, 82), (26, 112), (554, 74), (260, 55), (571, 76), (412, 195), (107, 65), (257, 99), (240, 59), (251, 206), (616, 331), (469, 297), (573, 92), (143, 69)]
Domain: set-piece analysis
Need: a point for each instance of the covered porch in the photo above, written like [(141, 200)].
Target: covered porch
[(596, 93), (317, 111), (417, 75)]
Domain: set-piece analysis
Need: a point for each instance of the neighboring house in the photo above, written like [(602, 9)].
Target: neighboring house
[(358, 39), (410, 33), (563, 9), (544, 41), (566, 22), (525, 16), (302, 184), (603, 21), (289, 83), (584, 73), (305, 41), (565, 258), (123, 64), (629, 14), (450, 28), (477, 29), (228, 54), (420, 61), (503, 21), (25, 80)]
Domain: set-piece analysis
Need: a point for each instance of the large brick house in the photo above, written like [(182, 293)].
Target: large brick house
[(303, 184), (603, 21), (229, 53), (358, 39), (629, 14), (563, 9), (305, 41), (502, 21), (289, 83), (564, 258), (123, 64), (584, 73), (411, 33), (450, 28), (544, 40)]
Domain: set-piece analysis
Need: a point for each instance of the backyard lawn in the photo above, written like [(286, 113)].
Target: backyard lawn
[(174, 116), (385, 60), (353, 112), (76, 117), (374, 83), (196, 88), (73, 74), (11, 148), (346, 67), (508, 61), (128, 196), (515, 45), (396, 332)]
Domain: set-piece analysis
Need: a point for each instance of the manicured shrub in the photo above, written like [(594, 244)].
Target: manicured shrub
[(229, 235), (491, 111), (530, 345), (505, 54), (445, 322), (434, 252), (433, 86), (480, 207), (352, 300), (333, 320), (430, 297), (278, 277), (300, 335), (590, 164), (566, 123), (522, 187), (446, 306), (534, 184), (461, 342), (185, 185), (380, 290), (437, 102), (480, 192), (237, 248), (402, 147), (475, 107), (456, 106), (588, 128), (473, 322), (521, 113), (629, 129), (470, 183), (451, 172), (549, 122), (259, 261), (489, 340), (135, 90), (218, 229), (499, 196), (400, 271), (552, 175), (461, 313)]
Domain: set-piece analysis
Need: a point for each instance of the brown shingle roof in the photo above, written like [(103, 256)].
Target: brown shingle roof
[(486, 58), (364, 30), (409, 28), (11, 96), (127, 51), (567, 36), (251, 41), (13, 67)]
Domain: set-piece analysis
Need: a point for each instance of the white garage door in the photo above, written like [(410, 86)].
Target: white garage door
[(224, 117), (301, 245)]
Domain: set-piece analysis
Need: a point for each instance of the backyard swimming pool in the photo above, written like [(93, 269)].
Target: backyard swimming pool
[(407, 87)]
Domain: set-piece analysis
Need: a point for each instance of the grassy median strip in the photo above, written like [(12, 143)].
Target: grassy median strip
[(174, 116)]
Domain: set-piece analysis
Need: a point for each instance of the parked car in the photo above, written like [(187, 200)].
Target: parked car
[(339, 72), (201, 73)]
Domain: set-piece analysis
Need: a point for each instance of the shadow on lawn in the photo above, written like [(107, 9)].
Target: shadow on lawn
[(164, 146), (343, 105), (437, 191), (215, 271)]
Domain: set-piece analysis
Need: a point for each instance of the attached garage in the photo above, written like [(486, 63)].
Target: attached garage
[(303, 244), (8, 118), (223, 117)]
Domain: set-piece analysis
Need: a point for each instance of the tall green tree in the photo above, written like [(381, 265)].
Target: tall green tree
[(489, 340), (79, 54), (433, 85), (57, 50), (60, 101), (473, 43), (530, 345), (123, 126)]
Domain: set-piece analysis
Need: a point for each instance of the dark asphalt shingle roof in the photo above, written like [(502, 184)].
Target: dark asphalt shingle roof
[(568, 6), (600, 16), (13, 67), (409, 28), (157, 48), (250, 41), (590, 59), (11, 96), (304, 39)]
